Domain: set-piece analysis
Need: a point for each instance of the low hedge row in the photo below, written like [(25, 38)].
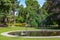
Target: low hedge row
[(18, 24)]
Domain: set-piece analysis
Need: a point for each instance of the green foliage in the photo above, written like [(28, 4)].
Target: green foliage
[(33, 23), (21, 14), (52, 7), (6, 6), (20, 19), (30, 13)]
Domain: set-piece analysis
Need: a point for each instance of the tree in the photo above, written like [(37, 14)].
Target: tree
[(5, 7), (22, 14), (53, 9), (33, 12)]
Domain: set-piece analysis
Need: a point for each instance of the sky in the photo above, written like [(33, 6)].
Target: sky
[(41, 2)]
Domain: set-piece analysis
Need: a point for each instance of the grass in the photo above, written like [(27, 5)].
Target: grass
[(18, 38)]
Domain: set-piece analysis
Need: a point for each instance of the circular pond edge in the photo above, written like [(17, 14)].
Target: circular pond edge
[(6, 34)]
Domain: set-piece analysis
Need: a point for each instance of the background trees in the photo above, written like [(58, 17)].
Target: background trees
[(32, 14)]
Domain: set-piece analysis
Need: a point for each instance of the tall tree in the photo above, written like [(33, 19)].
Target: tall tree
[(33, 12), (22, 14), (53, 9), (5, 7)]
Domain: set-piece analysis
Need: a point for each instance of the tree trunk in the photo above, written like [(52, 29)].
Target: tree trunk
[(14, 10)]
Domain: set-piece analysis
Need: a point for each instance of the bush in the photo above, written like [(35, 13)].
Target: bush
[(33, 23), (20, 24), (20, 20)]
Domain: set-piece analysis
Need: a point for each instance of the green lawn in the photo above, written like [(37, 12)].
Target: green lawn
[(18, 38)]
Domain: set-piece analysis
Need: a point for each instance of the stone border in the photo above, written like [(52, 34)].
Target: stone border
[(6, 34)]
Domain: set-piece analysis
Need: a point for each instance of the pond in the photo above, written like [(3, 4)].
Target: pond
[(33, 33), (36, 33)]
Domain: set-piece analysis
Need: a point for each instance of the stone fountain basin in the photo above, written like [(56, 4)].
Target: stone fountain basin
[(33, 33)]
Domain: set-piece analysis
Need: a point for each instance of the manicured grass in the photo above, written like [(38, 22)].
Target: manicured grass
[(18, 38)]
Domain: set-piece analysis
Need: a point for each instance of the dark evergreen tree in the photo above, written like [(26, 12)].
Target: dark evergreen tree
[(53, 9)]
